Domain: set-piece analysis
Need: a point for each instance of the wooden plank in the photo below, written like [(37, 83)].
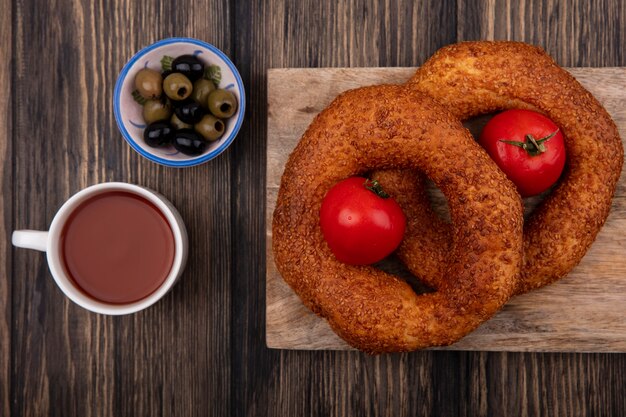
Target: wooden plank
[(174, 358), (254, 388), (585, 312), (575, 33), (6, 208)]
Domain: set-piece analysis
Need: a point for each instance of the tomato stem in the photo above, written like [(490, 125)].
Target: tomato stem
[(533, 146), (375, 187)]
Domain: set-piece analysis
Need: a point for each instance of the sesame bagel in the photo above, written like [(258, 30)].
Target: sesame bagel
[(385, 127)]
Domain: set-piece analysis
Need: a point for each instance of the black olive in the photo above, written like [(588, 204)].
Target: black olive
[(188, 111), (158, 134), (188, 65), (189, 142)]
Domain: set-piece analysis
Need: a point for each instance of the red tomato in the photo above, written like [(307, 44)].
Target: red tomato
[(507, 139), (361, 226)]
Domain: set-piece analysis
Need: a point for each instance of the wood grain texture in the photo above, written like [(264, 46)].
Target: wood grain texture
[(424, 383), (6, 209), (576, 34), (201, 350), (585, 312), (284, 34), (171, 359)]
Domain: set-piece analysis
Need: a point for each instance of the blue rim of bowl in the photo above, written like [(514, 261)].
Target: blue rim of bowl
[(190, 162)]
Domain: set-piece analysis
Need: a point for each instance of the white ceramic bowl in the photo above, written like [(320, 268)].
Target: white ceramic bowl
[(128, 112)]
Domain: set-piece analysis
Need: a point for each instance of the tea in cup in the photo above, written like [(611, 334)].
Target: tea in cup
[(113, 248)]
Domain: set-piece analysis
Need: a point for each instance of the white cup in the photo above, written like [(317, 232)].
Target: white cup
[(49, 242)]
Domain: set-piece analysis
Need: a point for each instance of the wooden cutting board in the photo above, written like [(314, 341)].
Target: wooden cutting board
[(584, 312)]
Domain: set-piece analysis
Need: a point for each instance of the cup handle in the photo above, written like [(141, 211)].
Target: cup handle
[(30, 239)]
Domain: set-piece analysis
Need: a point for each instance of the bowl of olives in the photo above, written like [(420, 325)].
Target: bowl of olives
[(179, 102)]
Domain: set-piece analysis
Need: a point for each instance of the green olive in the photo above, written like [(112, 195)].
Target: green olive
[(210, 127), (155, 110), (201, 90), (177, 86), (149, 83), (179, 124), (222, 103)]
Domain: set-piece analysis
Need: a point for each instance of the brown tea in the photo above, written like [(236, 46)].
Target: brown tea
[(117, 247)]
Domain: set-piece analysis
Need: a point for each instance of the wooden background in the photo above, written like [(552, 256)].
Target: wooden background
[(201, 350)]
